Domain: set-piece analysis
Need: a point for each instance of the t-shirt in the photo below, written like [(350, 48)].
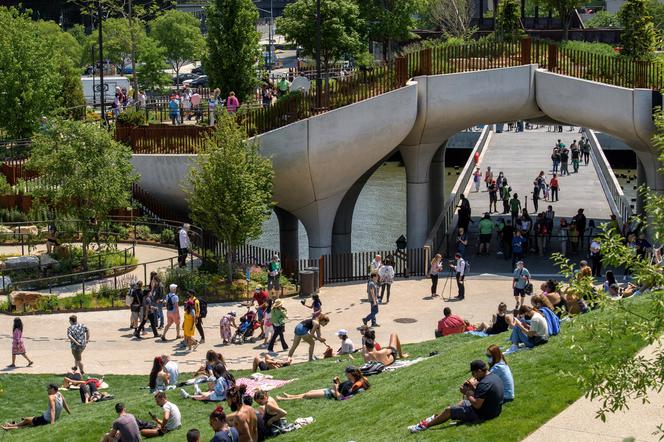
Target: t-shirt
[(518, 277), (451, 325), (171, 368), (539, 326), (491, 389), (175, 419), (174, 299), (502, 370), (128, 428), (183, 239), (517, 244), (486, 226), (371, 284), (347, 347), (261, 297), (230, 435), (78, 333), (220, 388), (515, 205)]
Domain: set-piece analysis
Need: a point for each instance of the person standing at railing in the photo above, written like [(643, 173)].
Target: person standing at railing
[(213, 102), (196, 105), (183, 244), (232, 103), (464, 212), (174, 110)]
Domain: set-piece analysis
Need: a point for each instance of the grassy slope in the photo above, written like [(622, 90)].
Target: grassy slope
[(394, 401)]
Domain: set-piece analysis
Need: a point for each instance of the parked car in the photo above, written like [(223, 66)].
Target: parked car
[(199, 70), (184, 77), (201, 81)]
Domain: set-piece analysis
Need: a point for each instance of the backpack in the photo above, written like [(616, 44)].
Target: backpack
[(372, 368), (203, 306), (466, 268), (169, 302)]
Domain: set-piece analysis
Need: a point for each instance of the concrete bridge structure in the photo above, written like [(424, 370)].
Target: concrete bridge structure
[(322, 162)]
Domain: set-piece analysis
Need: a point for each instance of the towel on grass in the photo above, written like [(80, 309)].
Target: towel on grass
[(401, 363), (103, 386), (262, 384)]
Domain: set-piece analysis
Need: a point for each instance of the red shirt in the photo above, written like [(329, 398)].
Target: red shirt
[(553, 182), (261, 297), (451, 325)]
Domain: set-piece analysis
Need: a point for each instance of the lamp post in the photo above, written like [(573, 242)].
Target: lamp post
[(101, 60), (319, 78), (270, 36)]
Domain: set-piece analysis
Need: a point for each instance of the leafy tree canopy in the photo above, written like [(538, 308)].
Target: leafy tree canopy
[(639, 39), (387, 21)]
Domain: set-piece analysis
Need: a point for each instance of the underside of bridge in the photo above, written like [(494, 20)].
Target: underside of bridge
[(322, 163)]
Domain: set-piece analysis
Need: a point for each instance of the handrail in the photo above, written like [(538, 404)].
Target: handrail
[(618, 202), (440, 228)]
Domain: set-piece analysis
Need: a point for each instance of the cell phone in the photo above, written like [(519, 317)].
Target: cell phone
[(152, 415)]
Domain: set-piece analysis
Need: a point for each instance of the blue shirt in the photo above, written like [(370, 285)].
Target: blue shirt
[(502, 370), (517, 244), (520, 283), (220, 388), (174, 299)]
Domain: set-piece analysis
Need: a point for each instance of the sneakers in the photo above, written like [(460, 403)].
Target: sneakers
[(184, 394), (423, 425)]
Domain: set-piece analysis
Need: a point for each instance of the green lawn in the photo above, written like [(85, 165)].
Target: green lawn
[(545, 381)]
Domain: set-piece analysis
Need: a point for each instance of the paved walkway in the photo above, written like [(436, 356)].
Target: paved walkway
[(144, 254), (521, 156)]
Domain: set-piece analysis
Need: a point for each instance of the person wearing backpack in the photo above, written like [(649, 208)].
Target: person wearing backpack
[(172, 312), (200, 307), (460, 269)]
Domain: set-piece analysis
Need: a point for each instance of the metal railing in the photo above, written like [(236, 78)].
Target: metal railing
[(439, 233), (618, 202)]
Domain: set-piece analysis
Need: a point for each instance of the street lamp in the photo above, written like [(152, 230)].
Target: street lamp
[(319, 78), (270, 34), (101, 60)]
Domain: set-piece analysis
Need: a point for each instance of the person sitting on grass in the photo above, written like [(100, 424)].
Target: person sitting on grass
[(550, 290), (223, 380), (194, 435), (347, 346), (498, 366), (387, 355), (530, 329), (243, 416), (268, 411), (355, 383), (544, 306), (124, 429), (170, 421), (499, 323), (482, 401), (159, 378), (450, 324), (212, 358), (265, 362), (222, 431), (56, 402)]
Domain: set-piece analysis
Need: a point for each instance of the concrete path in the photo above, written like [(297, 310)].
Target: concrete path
[(144, 254), (521, 156), (579, 423)]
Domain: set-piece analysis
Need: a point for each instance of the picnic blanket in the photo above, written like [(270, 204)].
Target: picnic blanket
[(261, 384), (401, 363), (103, 386)]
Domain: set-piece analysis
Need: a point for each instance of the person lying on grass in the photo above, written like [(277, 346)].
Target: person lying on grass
[(355, 383), (386, 356), (218, 386), (266, 362), (56, 402), (268, 411), (481, 402)]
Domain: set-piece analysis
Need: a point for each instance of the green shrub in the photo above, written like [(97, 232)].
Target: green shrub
[(47, 303), (143, 232), (12, 216), (167, 236), (132, 118)]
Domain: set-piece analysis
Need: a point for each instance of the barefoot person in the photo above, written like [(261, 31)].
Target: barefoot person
[(244, 418), (355, 383), (56, 402), (172, 312), (387, 355), (79, 336), (309, 332), (269, 411), (266, 362), (482, 401), (18, 347)]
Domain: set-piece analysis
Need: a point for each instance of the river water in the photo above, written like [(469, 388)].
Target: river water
[(380, 212)]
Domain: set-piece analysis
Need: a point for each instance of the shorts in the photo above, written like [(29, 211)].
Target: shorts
[(39, 420), (301, 330), (173, 317), (261, 314), (273, 282), (464, 413), (393, 352), (77, 353), (519, 292), (214, 398), (262, 366), (329, 394), (485, 237)]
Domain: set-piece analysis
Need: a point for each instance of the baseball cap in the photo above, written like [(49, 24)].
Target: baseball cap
[(477, 364), (342, 332)]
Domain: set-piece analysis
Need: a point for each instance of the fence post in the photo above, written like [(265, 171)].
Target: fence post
[(145, 273), (525, 50), (553, 57), (641, 67), (425, 61), (401, 67)]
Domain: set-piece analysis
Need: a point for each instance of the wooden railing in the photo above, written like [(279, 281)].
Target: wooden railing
[(15, 170), (162, 139)]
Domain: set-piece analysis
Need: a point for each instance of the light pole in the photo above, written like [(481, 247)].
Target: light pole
[(101, 60), (270, 36), (319, 78)]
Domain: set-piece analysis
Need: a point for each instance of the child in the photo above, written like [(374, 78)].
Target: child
[(546, 192), (268, 329), (227, 321), (18, 347), (316, 305), (188, 325)]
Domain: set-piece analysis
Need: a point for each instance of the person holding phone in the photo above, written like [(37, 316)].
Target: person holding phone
[(170, 421)]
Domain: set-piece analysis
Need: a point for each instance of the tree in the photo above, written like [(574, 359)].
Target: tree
[(35, 73), (387, 21), (230, 187), (639, 39), (565, 9), (84, 175), (656, 10), (179, 34), (65, 43), (603, 19), (150, 72), (118, 40), (453, 17), (508, 21), (233, 49), (340, 25)]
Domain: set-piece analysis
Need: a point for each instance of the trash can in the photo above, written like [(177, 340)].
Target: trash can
[(306, 283), (316, 272)]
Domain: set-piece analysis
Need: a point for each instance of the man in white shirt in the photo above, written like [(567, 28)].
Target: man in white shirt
[(171, 420), (460, 269), (171, 367), (183, 245), (347, 346), (532, 333)]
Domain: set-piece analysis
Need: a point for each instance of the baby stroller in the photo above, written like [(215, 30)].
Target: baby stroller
[(245, 331)]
